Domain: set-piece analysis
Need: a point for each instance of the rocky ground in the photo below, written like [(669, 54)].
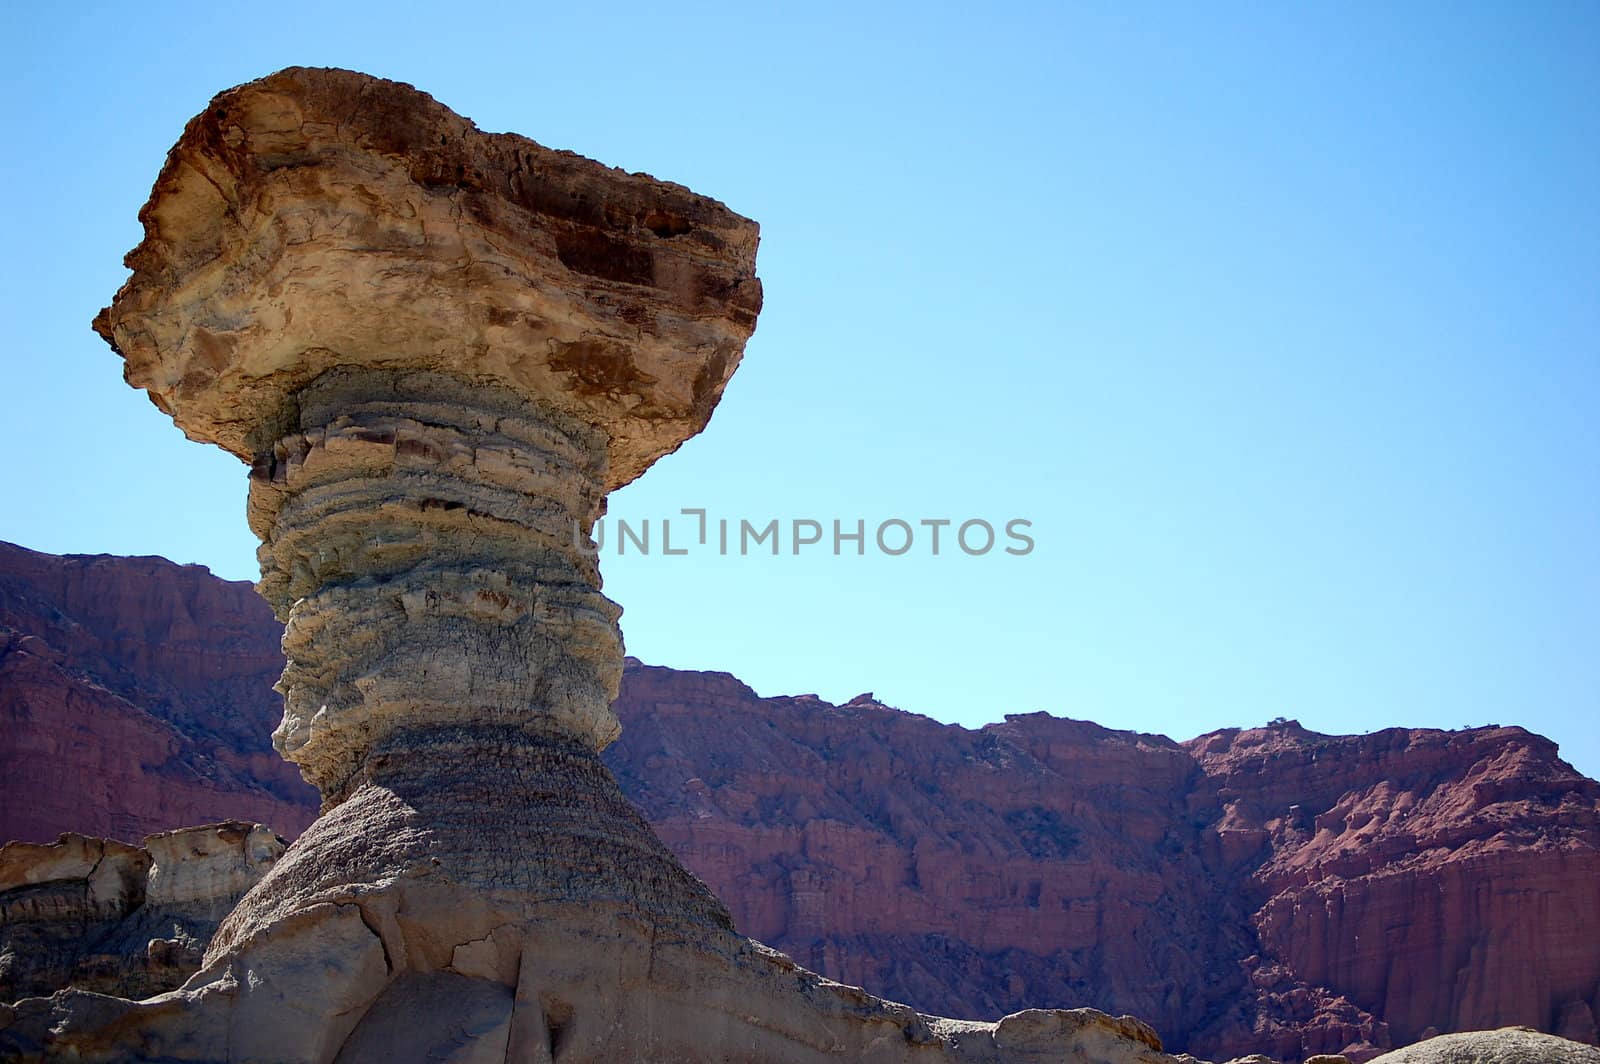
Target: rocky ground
[(1270, 890)]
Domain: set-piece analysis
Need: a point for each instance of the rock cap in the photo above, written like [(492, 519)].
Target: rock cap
[(319, 218)]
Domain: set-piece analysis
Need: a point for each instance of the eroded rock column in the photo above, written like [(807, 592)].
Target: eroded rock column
[(424, 539), (438, 350)]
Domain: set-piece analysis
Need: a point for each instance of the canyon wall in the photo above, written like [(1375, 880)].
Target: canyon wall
[(135, 697), (1269, 890)]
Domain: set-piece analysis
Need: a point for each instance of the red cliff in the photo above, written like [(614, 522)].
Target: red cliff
[(1445, 880), (135, 697)]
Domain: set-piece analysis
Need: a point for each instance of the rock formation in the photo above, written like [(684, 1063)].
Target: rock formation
[(1268, 890), (438, 349), (132, 921), (1509, 1045), (796, 811), (1441, 880)]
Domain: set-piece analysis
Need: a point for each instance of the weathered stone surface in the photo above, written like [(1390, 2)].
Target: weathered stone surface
[(950, 892), (477, 974), (56, 902), (1511, 1045), (103, 916), (322, 219), (438, 349), (425, 550), (665, 999)]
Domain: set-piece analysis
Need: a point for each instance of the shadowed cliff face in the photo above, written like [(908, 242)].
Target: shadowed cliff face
[(1446, 880), (1040, 859), (1268, 890), (135, 697)]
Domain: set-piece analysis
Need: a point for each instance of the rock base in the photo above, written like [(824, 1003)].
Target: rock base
[(487, 894)]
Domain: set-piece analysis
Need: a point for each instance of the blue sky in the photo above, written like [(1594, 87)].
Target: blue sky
[(1280, 323)]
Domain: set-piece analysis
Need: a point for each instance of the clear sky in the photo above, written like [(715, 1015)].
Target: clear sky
[(1279, 322)]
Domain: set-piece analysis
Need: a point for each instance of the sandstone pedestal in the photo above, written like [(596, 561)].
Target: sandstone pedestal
[(439, 349)]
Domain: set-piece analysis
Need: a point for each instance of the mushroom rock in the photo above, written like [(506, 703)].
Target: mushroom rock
[(438, 349)]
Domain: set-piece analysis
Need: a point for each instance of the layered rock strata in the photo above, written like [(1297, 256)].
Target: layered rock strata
[(103, 916), (423, 541), (438, 349)]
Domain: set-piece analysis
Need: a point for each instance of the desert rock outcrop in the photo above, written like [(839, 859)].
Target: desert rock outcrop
[(1053, 860), (100, 915), (1509, 1045), (438, 349)]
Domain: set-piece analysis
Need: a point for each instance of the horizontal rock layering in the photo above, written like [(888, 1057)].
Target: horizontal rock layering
[(438, 349), (427, 542), (104, 916)]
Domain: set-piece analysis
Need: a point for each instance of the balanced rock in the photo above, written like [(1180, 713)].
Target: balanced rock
[(438, 349)]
